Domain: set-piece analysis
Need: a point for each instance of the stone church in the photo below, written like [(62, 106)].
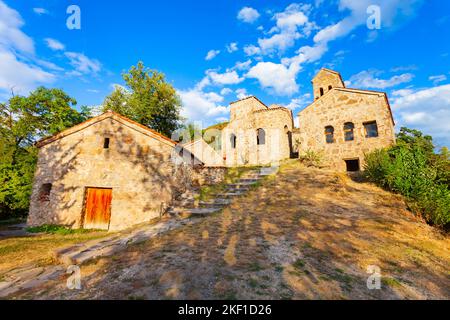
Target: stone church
[(341, 124), (112, 173)]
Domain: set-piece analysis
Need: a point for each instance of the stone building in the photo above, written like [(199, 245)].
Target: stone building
[(106, 173), (344, 124), (341, 125), (257, 134)]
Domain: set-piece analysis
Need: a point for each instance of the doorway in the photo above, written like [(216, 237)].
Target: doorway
[(352, 165), (97, 208)]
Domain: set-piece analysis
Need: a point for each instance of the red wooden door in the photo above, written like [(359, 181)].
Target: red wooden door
[(98, 208)]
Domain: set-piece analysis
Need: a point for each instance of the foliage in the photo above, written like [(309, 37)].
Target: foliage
[(311, 158), (147, 99), (413, 169), (23, 121), (52, 229)]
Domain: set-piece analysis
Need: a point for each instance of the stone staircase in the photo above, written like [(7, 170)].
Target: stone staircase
[(189, 207)]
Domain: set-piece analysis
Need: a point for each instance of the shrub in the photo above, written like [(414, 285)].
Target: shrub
[(60, 230), (412, 169), (311, 158)]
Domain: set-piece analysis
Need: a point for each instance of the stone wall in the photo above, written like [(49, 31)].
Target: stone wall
[(247, 117), (209, 175), (324, 79), (137, 168), (335, 109)]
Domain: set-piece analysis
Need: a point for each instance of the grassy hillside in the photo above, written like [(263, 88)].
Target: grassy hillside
[(306, 234)]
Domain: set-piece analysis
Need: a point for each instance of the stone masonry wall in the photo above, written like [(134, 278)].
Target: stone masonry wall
[(335, 109), (323, 80), (276, 122), (137, 167)]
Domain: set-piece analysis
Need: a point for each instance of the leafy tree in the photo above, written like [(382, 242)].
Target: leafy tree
[(413, 169), (147, 99), (23, 121)]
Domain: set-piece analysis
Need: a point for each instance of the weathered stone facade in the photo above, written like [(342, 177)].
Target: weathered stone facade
[(138, 166), (257, 134), (341, 109)]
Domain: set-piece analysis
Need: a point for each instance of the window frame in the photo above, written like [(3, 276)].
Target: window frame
[(106, 143), (368, 123), (260, 138), (328, 134), (347, 130), (233, 141), (45, 191)]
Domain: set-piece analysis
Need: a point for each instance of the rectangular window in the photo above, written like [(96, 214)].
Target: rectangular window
[(352, 165), (106, 143), (44, 192), (371, 129)]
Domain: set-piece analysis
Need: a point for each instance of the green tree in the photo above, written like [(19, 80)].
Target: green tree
[(23, 121), (147, 99), (413, 169)]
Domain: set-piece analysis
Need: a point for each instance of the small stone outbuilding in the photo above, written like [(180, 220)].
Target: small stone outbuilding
[(107, 173)]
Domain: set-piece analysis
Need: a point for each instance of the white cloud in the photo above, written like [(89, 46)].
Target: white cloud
[(225, 91), (252, 50), (243, 65), (287, 29), (201, 106), (40, 11), (367, 79), (212, 54), (55, 45), (227, 78), (392, 12), (241, 93), (248, 15), (21, 77), (10, 34), (83, 64), (426, 109), (300, 102), (232, 47), (19, 68), (438, 78), (276, 77)]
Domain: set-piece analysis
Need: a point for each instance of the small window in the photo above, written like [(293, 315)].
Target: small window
[(233, 141), (330, 87), (44, 192), (349, 131), (371, 129), (352, 165), (261, 137), (321, 92), (106, 143), (329, 134)]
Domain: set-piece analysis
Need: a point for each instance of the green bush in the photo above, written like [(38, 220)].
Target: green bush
[(412, 169), (311, 158), (60, 230)]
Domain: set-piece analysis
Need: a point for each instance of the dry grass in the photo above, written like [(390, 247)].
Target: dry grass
[(308, 234), (37, 250)]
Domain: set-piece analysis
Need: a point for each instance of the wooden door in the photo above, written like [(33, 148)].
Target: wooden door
[(98, 208)]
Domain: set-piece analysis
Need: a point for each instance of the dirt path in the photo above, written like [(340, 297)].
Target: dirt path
[(307, 234)]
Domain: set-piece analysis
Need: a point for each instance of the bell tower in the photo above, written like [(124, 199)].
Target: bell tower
[(325, 81)]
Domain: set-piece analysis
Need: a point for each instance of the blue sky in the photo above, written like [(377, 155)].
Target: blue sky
[(215, 52)]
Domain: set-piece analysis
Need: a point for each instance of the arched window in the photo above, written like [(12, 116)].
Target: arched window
[(330, 87), (349, 128), (321, 91), (233, 141), (260, 137), (329, 134)]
